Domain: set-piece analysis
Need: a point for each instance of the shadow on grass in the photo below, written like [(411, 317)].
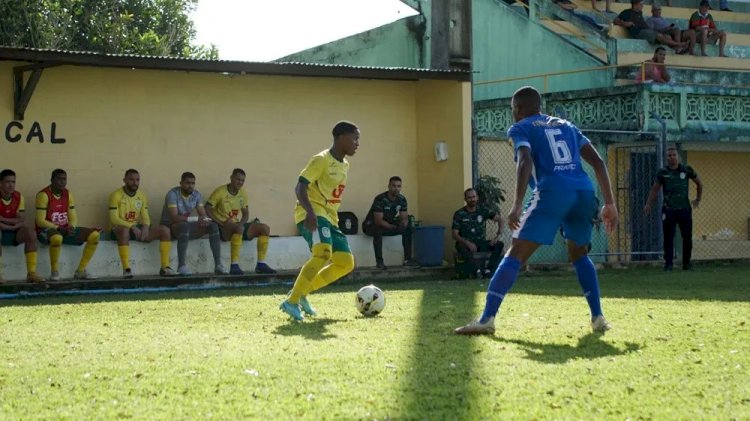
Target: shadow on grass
[(437, 383), (314, 329), (589, 347)]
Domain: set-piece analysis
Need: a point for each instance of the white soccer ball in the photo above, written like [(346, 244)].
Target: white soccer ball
[(370, 301)]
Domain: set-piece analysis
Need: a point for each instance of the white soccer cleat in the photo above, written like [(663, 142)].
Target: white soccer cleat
[(600, 324), (55, 276), (477, 328)]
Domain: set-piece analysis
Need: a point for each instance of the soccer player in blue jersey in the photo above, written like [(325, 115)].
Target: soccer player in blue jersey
[(548, 152)]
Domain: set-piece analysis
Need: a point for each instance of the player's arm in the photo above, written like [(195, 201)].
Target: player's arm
[(314, 169), (145, 218), (114, 211), (403, 218), (651, 196), (211, 204), (300, 190), (41, 203), (499, 221), (456, 233), (609, 212), (381, 222), (201, 210), (698, 190), (72, 213), (524, 167), (174, 215)]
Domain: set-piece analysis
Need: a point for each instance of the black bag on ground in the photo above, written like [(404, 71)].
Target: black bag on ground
[(348, 223)]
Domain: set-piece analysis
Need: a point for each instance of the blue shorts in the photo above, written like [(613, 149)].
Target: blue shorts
[(550, 209)]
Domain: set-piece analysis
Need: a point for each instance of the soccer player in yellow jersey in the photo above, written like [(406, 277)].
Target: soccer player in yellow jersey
[(129, 220), (57, 224), (228, 207), (319, 189), (13, 227)]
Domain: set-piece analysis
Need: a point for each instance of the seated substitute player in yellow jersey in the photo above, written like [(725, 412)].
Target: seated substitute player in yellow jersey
[(129, 220), (228, 207), (57, 224), (319, 188), (13, 227)]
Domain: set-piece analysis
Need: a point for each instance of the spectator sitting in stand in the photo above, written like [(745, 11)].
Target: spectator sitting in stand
[(663, 26), (632, 19), (655, 70)]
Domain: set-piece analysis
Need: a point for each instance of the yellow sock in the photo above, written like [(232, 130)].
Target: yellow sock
[(235, 246), (164, 247), (262, 248), (88, 250), (124, 252), (341, 264), (31, 261), (321, 253), (55, 247)]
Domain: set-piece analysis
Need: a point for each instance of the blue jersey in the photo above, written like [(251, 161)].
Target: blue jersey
[(555, 146)]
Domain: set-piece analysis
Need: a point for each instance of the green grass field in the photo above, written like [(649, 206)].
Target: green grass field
[(680, 349)]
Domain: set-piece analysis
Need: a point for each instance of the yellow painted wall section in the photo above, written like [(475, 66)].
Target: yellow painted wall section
[(165, 122), (725, 206), (443, 115)]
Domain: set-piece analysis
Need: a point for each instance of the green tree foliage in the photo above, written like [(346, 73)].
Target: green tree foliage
[(147, 27), (490, 192)]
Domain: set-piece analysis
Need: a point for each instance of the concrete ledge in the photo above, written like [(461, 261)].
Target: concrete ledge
[(13, 290), (284, 253)]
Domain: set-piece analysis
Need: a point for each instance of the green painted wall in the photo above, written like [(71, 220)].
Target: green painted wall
[(398, 44), (507, 44)]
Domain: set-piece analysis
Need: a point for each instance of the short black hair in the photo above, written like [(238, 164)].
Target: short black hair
[(672, 148), (343, 127), (56, 172), (468, 190), (528, 98), (394, 178), (131, 171), (634, 2), (660, 48), (237, 171), (187, 174), (6, 173)]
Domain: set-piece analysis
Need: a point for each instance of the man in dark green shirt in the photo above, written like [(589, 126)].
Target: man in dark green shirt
[(471, 236), (388, 216), (677, 208)]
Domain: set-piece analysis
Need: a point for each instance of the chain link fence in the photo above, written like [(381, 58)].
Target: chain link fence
[(721, 224)]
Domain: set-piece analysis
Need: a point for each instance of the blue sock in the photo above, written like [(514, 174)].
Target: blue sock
[(587, 278), (501, 283)]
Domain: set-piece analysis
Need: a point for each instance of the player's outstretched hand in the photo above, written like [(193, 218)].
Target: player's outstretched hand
[(610, 217)]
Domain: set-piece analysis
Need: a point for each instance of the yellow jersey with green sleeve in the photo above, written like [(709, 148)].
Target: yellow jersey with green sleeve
[(228, 206), (126, 210), (325, 177)]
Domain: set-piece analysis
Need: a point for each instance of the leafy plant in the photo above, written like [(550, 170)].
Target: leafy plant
[(490, 193)]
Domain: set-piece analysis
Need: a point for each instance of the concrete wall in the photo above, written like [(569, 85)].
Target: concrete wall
[(398, 44), (163, 123), (284, 253), (507, 44), (441, 184)]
